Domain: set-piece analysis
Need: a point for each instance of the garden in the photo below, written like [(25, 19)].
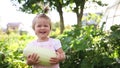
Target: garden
[(85, 45)]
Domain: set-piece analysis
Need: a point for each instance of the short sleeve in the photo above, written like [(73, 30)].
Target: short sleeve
[(57, 44), (29, 44)]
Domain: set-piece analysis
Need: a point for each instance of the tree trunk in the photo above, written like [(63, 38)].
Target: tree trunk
[(81, 12), (59, 9), (61, 23), (78, 19), (80, 16)]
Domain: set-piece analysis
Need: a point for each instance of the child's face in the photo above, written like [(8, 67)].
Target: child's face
[(42, 28)]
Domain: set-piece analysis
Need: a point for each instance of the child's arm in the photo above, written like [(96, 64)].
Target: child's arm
[(32, 59), (62, 54), (60, 57)]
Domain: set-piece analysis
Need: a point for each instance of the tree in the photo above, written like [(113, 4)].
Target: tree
[(79, 8), (58, 5), (29, 6), (33, 6), (79, 5)]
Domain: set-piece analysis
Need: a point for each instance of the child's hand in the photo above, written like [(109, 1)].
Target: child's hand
[(55, 60), (32, 59)]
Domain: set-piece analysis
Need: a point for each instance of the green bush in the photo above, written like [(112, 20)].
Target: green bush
[(89, 47), (12, 46), (85, 47)]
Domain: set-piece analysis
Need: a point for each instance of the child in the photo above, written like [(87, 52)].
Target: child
[(42, 27)]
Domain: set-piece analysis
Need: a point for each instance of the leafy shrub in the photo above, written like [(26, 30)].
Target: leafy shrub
[(85, 47), (12, 46), (89, 47)]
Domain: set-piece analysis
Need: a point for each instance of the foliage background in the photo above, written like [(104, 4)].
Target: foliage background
[(85, 47)]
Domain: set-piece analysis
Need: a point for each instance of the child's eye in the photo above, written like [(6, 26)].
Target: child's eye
[(45, 25), (39, 26)]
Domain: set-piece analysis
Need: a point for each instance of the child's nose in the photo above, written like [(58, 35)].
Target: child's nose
[(42, 27)]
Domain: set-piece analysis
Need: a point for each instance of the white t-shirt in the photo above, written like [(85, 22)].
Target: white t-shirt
[(52, 44)]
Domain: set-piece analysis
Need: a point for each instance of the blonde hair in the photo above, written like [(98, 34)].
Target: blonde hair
[(38, 17)]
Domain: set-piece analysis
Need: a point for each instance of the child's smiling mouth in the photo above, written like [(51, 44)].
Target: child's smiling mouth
[(43, 32)]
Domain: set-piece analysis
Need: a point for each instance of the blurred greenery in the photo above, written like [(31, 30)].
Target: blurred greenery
[(11, 46), (86, 47), (89, 47)]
